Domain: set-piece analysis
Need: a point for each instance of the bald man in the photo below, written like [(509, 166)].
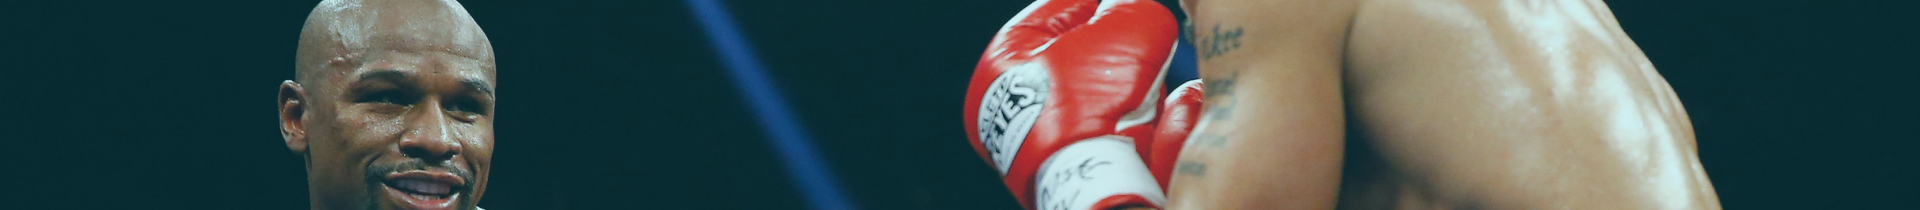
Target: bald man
[(1451, 104), (391, 105)]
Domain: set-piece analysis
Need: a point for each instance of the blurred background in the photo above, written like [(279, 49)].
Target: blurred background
[(626, 105)]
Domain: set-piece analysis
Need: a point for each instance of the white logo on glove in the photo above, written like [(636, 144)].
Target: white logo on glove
[(1008, 110)]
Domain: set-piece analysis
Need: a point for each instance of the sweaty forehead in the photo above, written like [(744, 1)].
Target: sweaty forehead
[(346, 30)]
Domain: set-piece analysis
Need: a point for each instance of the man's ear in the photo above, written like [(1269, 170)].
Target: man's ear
[(293, 115)]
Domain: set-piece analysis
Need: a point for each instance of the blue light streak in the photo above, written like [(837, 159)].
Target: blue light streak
[(807, 169)]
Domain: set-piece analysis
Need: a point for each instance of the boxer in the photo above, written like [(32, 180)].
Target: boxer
[(1450, 104), (391, 105)]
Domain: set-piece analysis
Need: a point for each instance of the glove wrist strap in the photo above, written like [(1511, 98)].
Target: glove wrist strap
[(1090, 173)]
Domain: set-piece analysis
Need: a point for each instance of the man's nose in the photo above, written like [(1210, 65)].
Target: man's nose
[(427, 136)]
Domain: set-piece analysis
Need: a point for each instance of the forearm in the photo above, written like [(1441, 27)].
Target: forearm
[(1272, 133), (1263, 144)]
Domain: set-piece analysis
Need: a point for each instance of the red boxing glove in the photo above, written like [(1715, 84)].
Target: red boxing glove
[(1178, 115), (1064, 99)]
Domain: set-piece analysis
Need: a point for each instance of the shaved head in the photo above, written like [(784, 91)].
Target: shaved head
[(391, 105), (339, 33)]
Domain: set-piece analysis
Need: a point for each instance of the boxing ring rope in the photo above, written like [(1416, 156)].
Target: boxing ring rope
[(805, 166)]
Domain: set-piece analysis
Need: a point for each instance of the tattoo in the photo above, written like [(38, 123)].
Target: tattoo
[(1191, 168), (1219, 99), (1219, 105), (1216, 42)]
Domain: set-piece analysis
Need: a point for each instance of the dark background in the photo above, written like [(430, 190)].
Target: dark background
[(622, 104)]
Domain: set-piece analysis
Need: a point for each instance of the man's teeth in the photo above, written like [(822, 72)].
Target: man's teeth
[(423, 187)]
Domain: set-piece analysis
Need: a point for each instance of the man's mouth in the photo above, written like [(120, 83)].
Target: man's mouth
[(425, 189)]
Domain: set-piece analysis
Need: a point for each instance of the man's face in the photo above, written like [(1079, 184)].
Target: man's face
[(408, 129), (395, 107)]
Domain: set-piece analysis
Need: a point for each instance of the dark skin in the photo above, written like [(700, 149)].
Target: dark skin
[(389, 91)]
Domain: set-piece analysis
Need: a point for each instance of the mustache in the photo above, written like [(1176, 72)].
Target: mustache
[(377, 172)]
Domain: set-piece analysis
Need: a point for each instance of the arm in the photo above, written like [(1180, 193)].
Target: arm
[(1272, 133)]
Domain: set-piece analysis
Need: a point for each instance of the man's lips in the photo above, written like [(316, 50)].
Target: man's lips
[(438, 182), (425, 189)]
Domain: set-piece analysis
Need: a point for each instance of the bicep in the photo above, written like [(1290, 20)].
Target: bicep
[(1272, 134)]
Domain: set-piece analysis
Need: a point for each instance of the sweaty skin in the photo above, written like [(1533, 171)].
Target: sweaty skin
[(392, 105), (1450, 104)]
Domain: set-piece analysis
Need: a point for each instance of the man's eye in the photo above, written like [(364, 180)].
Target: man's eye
[(385, 97), (464, 105)]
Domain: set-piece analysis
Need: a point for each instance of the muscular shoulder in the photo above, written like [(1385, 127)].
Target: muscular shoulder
[(1487, 99)]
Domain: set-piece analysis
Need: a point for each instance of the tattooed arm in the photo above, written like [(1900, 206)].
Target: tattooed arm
[(1272, 133)]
